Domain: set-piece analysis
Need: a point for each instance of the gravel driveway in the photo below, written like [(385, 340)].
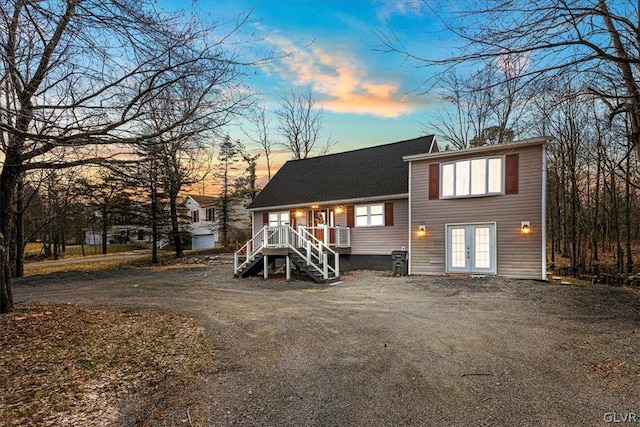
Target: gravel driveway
[(376, 350)]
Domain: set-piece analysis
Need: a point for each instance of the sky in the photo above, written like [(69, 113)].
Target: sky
[(369, 97)]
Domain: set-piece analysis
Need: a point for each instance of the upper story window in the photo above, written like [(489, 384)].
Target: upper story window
[(210, 214), (195, 216), (369, 215), (473, 177), (278, 218)]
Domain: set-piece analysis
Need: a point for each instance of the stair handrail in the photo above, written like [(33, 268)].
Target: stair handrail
[(316, 253), (249, 249), (323, 252)]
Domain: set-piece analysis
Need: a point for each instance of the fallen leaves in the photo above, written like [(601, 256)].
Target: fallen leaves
[(68, 365)]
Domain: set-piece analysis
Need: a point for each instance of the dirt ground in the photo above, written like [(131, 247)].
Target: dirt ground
[(376, 350)]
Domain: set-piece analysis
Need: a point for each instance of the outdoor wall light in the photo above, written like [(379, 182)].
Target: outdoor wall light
[(339, 209), (525, 227), (298, 213), (422, 230)]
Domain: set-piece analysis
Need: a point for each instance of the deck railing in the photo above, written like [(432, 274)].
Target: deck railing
[(314, 252), (339, 237)]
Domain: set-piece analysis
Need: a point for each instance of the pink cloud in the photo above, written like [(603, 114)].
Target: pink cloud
[(342, 82)]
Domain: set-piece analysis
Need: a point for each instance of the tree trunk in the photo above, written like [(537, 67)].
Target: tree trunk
[(154, 224), (105, 226), (627, 215), (175, 226), (19, 235), (8, 183), (596, 220)]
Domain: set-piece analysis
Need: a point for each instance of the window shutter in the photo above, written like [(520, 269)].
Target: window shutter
[(388, 214), (434, 181), (351, 216), (265, 218), (511, 174)]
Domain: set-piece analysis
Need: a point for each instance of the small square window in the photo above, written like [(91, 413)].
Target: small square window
[(369, 215)]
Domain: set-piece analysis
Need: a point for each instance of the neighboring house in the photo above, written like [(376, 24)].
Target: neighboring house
[(477, 211), (204, 224), (117, 234)]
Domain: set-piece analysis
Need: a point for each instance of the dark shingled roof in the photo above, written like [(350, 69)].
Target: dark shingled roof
[(368, 172)]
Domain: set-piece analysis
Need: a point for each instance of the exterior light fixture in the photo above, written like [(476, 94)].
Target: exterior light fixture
[(298, 213), (314, 206), (525, 227), (422, 230), (339, 209)]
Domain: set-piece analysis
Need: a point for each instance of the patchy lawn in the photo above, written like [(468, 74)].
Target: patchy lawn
[(68, 365)]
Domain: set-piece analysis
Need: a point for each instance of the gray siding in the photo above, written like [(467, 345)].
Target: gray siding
[(518, 255), (381, 240), (367, 240)]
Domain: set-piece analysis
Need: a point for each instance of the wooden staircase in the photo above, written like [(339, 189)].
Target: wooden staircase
[(309, 255)]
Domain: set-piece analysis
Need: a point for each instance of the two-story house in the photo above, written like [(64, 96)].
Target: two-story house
[(202, 225), (477, 211), (205, 221)]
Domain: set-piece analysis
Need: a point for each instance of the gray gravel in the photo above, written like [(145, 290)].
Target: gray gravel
[(376, 350)]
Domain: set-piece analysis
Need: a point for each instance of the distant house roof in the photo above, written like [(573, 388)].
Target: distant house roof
[(365, 173), (203, 200)]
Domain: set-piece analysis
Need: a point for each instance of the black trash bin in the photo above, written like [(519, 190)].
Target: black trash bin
[(399, 263)]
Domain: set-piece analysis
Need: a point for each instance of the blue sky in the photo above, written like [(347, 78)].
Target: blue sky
[(369, 97)]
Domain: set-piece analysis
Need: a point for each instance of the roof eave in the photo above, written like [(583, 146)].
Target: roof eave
[(485, 149), (333, 202)]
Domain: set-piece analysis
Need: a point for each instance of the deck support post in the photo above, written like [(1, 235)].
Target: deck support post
[(288, 268), (265, 267), (235, 263), (337, 264), (325, 269)]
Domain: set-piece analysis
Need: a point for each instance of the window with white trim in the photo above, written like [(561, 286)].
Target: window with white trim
[(278, 218), (210, 214), (195, 216), (472, 178), (369, 215)]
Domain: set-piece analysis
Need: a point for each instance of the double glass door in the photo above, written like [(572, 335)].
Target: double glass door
[(471, 248)]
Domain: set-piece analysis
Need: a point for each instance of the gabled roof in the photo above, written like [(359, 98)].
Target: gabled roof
[(365, 173), (480, 151), (203, 200)]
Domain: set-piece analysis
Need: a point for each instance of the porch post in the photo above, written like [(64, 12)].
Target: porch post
[(325, 266), (326, 235), (265, 267), (338, 236), (337, 265), (235, 262), (288, 273)]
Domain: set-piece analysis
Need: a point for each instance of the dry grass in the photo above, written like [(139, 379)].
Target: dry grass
[(34, 250), (67, 365), (91, 265)]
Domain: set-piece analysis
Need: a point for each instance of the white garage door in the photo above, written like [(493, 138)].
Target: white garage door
[(203, 242)]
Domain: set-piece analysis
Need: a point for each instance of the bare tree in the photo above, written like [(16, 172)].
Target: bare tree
[(483, 108), (78, 76), (229, 152), (300, 122), (261, 136), (99, 194), (180, 153), (594, 41)]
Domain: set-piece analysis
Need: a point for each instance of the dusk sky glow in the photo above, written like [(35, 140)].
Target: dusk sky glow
[(369, 97)]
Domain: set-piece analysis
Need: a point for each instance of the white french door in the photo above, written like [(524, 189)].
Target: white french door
[(471, 248)]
